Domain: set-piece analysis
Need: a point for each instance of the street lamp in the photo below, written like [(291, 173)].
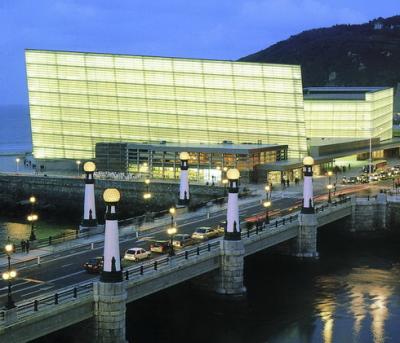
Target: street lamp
[(329, 192), (32, 218), (266, 205), (225, 183), (172, 211), (329, 176), (8, 276), (268, 192), (78, 164), (17, 162), (171, 232)]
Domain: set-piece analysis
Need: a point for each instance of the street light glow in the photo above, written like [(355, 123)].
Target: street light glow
[(329, 186), (267, 203), (147, 181), (172, 210), (32, 199), (146, 196), (267, 188), (9, 248), (171, 230)]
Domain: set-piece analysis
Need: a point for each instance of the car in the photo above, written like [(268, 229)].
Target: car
[(363, 178), (136, 254), (374, 177), (383, 175), (160, 246), (94, 265), (204, 232), (221, 227), (182, 240)]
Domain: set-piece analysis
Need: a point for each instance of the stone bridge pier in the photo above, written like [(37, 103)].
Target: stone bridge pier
[(306, 242), (229, 277)]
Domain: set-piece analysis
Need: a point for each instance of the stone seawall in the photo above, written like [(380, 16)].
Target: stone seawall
[(64, 195)]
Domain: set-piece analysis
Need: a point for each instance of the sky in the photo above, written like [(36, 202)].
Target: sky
[(216, 29)]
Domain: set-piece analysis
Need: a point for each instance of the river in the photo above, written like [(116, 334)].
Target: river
[(350, 294)]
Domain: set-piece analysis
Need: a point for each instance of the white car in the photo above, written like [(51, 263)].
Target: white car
[(136, 254), (204, 232)]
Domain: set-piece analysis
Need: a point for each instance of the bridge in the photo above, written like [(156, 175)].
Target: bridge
[(42, 315)]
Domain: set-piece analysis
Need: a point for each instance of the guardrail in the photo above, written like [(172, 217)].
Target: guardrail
[(80, 291)]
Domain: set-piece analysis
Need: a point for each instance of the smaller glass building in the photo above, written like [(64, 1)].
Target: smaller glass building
[(348, 112), (207, 163)]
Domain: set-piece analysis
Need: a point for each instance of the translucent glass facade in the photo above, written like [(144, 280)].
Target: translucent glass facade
[(79, 99), (352, 118)]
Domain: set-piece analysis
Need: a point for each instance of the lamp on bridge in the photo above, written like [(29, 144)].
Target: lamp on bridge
[(32, 218), (184, 179), (171, 231), (8, 276), (112, 271), (147, 196), (329, 187), (232, 231), (308, 201), (89, 207), (267, 205)]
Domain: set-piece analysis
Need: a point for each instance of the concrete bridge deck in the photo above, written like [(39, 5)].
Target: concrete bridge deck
[(40, 316)]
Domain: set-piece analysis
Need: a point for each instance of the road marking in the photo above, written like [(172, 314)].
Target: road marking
[(34, 280), (47, 282), (66, 265), (144, 239)]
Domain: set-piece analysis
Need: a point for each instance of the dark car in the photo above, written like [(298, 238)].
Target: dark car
[(160, 246), (94, 265)]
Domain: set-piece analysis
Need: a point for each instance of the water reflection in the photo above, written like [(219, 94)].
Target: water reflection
[(364, 294), (21, 231)]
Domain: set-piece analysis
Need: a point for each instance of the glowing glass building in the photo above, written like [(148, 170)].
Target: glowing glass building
[(349, 112), (80, 99)]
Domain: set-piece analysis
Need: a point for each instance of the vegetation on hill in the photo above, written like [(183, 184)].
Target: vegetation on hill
[(342, 55)]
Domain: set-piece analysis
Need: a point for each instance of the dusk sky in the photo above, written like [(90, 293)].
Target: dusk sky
[(217, 29)]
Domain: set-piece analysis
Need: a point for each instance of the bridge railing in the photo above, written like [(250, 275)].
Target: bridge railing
[(62, 296), (164, 262), (80, 291)]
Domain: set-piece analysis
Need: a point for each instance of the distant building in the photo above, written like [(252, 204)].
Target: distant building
[(348, 112), (378, 25)]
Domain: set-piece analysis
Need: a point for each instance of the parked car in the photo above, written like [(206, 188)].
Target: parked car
[(363, 178), (221, 227), (182, 240), (383, 175), (160, 246), (94, 265), (349, 180), (374, 177), (136, 254), (204, 233)]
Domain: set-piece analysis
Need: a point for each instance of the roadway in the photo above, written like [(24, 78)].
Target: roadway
[(65, 268)]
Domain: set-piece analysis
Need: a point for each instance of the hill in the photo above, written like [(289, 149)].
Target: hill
[(342, 55)]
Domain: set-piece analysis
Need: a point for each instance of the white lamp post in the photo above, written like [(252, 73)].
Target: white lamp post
[(17, 160), (78, 164)]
